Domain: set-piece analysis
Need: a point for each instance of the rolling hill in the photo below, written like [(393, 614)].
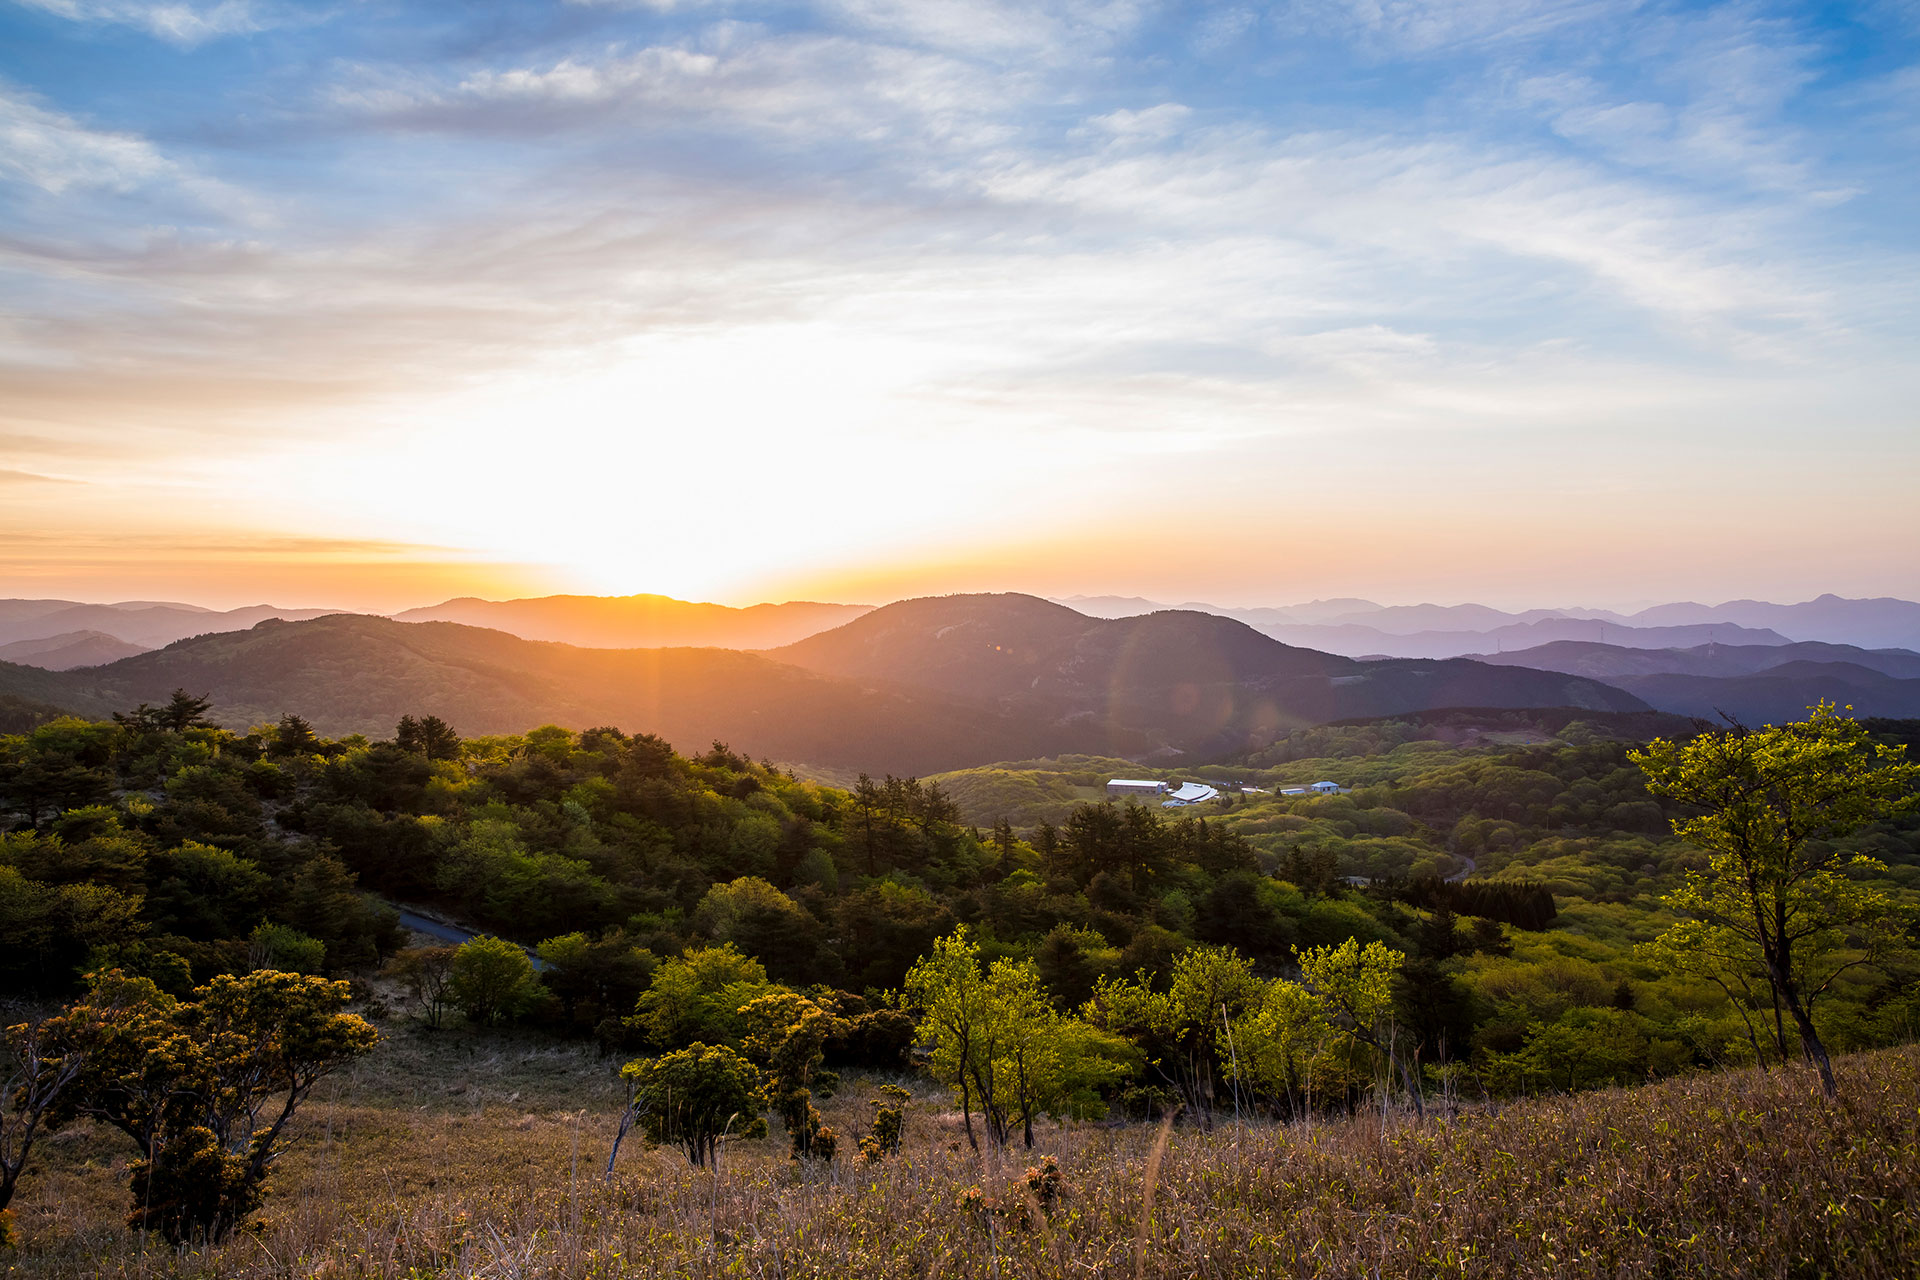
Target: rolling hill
[(353, 674), (916, 687), (1203, 685)]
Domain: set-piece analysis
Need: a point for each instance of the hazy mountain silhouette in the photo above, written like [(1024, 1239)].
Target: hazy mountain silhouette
[(1611, 663), (1874, 624), (1198, 682), (353, 674), (1356, 640), (1360, 627), (145, 623), (912, 688), (70, 649), (642, 621)]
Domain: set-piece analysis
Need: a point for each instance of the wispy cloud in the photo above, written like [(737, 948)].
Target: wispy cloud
[(1039, 229), (55, 152), (171, 20)]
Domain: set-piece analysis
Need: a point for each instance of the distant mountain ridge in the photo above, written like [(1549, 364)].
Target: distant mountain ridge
[(1755, 684), (1204, 684), (69, 649), (1360, 627), (925, 688), (145, 623), (642, 621), (1349, 627)]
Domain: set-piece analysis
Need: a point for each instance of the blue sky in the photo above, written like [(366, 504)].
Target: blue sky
[(1529, 302)]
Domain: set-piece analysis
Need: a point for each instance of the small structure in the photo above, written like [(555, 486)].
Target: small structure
[(1189, 793), (1325, 788), (1118, 787)]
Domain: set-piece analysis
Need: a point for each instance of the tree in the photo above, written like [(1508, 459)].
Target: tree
[(785, 1032), (694, 1097), (492, 979), (1000, 1043), (1047, 1064), (194, 1084), (36, 1068), (1766, 806), (1354, 985), (429, 736), (184, 711), (293, 736), (957, 1015), (279, 946), (1187, 1031), (427, 973), (697, 996)]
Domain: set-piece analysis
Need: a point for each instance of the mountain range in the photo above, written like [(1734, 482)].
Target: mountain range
[(1351, 628), (917, 686), (1755, 684), (642, 622), (1361, 627)]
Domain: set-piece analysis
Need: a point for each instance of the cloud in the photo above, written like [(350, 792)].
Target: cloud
[(1428, 27), (54, 152), (170, 20), (869, 231)]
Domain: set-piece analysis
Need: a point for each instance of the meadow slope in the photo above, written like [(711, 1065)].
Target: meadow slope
[(447, 1156)]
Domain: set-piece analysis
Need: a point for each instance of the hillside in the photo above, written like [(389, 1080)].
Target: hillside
[(641, 621), (1205, 684), (352, 674)]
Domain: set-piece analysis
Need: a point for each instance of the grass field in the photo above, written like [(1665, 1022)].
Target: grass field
[(444, 1156)]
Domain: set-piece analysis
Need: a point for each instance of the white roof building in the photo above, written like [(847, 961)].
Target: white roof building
[(1189, 793), (1134, 787)]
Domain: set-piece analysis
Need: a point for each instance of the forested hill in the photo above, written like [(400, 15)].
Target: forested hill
[(1211, 684), (913, 688), (351, 674)]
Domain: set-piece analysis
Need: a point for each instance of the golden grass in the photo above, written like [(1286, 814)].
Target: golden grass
[(442, 1156)]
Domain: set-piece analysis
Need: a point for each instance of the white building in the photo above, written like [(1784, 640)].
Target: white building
[(1118, 787), (1325, 788), (1189, 793)]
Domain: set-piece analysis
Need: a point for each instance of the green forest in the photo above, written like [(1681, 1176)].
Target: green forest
[(203, 926), (169, 849)]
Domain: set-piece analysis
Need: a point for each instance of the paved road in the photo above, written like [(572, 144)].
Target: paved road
[(449, 932), (1458, 876)]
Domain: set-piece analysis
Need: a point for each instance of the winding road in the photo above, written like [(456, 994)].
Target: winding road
[(449, 932)]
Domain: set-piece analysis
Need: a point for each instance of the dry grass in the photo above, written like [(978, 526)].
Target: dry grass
[(435, 1161)]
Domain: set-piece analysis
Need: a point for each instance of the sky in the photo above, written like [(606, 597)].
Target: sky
[(1532, 302)]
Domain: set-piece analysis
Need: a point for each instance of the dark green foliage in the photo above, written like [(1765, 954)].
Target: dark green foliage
[(429, 736)]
